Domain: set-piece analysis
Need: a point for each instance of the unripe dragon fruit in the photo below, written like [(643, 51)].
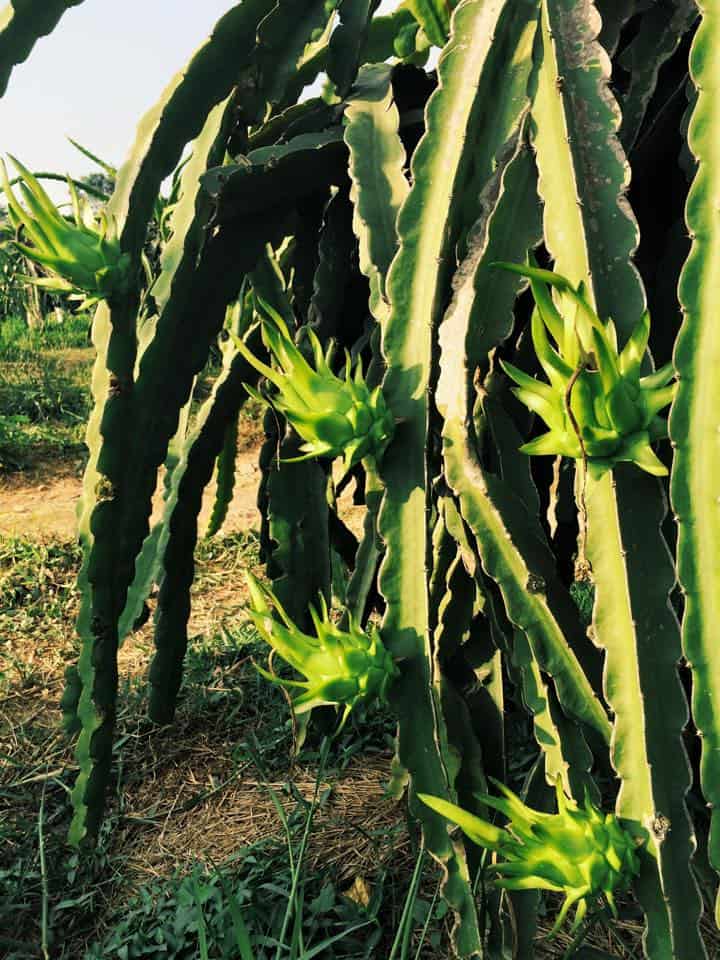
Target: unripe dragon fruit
[(335, 416), (597, 405), (83, 255), (341, 667), (579, 851)]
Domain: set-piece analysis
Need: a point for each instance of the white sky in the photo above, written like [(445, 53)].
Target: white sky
[(97, 74)]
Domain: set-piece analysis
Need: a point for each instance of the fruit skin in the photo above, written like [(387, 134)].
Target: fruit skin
[(336, 417), (82, 255), (596, 404), (579, 851), (341, 667)]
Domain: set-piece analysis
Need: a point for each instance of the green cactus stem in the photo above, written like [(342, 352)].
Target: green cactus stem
[(579, 851), (82, 254), (336, 417), (597, 406), (341, 667), (22, 24), (433, 17)]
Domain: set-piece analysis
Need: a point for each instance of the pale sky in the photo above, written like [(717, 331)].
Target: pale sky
[(97, 74)]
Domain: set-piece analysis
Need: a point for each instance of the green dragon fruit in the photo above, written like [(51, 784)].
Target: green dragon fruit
[(341, 667), (597, 406), (335, 416), (580, 852), (82, 254)]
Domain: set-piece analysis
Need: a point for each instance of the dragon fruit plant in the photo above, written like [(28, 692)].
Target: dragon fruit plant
[(335, 416), (374, 215)]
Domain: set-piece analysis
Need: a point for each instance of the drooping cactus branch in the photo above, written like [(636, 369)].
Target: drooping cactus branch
[(373, 217)]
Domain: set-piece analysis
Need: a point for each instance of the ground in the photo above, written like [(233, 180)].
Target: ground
[(201, 811), (44, 500), (204, 791)]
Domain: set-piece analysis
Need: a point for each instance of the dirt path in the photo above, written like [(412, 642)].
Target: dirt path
[(44, 506)]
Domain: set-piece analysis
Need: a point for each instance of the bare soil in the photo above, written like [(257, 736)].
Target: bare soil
[(42, 503)]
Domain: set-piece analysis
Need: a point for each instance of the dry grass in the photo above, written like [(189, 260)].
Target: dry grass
[(183, 794), (191, 792), (237, 811)]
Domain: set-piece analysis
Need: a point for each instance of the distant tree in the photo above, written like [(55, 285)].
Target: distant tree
[(98, 181)]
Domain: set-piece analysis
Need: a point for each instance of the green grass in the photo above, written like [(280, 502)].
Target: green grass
[(163, 918), (43, 391), (232, 727), (151, 888), (44, 395), (23, 444), (44, 405), (177, 861), (264, 901), (37, 605), (218, 911), (17, 340)]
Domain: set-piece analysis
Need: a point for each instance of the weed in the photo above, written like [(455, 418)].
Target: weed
[(167, 781), (37, 606), (42, 391), (247, 894)]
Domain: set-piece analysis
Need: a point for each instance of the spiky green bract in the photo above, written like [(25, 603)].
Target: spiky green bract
[(342, 667), (596, 405), (579, 851), (82, 254), (335, 416)]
